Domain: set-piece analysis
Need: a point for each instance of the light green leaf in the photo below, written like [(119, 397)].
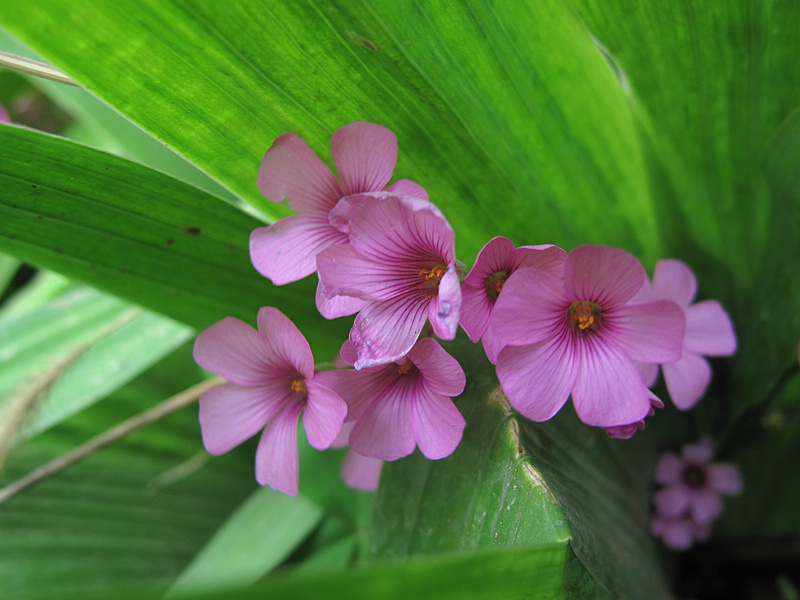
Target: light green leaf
[(260, 535)]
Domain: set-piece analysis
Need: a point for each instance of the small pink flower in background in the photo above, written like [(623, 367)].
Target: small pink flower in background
[(401, 405), (365, 155), (496, 261), (693, 484), (401, 263), (679, 533), (580, 336), (709, 332), (272, 381)]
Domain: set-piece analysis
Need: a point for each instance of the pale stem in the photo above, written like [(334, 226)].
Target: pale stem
[(34, 67)]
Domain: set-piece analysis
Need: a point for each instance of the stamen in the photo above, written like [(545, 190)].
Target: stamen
[(495, 283), (435, 271), (299, 385), (584, 315), (405, 367)]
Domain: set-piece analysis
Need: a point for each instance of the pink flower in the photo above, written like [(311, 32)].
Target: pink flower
[(365, 155), (709, 332), (693, 484), (272, 381), (625, 432), (578, 335), (359, 472), (679, 533), (401, 263), (399, 406), (496, 261)]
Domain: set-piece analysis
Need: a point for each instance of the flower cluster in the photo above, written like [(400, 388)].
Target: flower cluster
[(689, 500), (586, 324)]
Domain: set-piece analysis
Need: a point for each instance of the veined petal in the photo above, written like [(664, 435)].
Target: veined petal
[(233, 350), (547, 257), (437, 423), (406, 187), (494, 257), (442, 373), (231, 414), (650, 332), (345, 272), (724, 478), (324, 414), (286, 250), (291, 173), (602, 274), (608, 389), (674, 280), (476, 308), (333, 307), (537, 378), (445, 310), (492, 344), (361, 472), (530, 308), (687, 379), (285, 347), (365, 155), (384, 429), (709, 330), (385, 331), (277, 456)]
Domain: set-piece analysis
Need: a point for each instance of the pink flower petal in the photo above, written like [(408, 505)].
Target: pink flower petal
[(406, 187), (476, 308), (724, 478), (357, 388), (651, 332), (672, 501), (602, 274), (277, 456), (285, 347), (674, 280), (547, 257), (678, 533), (648, 371), (232, 349), (537, 378), (365, 155), (333, 307), (291, 173), (706, 506), (343, 271), (687, 379), (529, 309), (437, 423), (443, 374), (324, 414), (231, 414), (386, 330), (361, 472), (445, 310), (700, 452), (495, 256), (608, 389), (669, 468), (384, 430), (492, 344), (709, 330), (286, 250)]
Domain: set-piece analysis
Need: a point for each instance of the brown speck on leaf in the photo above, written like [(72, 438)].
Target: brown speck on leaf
[(39, 217), (192, 231), (58, 250), (122, 270), (34, 186), (360, 39), (170, 241)]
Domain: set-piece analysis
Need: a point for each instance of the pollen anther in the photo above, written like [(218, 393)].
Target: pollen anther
[(584, 315), (299, 385)]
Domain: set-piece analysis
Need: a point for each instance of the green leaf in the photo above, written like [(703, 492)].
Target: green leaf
[(139, 234), (260, 535), (508, 136), (8, 268), (512, 482)]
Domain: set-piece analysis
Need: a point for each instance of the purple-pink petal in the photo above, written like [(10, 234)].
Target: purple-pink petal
[(476, 308), (384, 430), (443, 374), (286, 250), (285, 348), (231, 413), (699, 453), (608, 389), (672, 501), (437, 423), (709, 330), (649, 332), (687, 379), (233, 350), (674, 280), (406, 187), (365, 155), (344, 271), (537, 378), (361, 472), (706, 505), (669, 468), (444, 310), (602, 274), (291, 173), (724, 478), (277, 455), (386, 330), (324, 414), (333, 307)]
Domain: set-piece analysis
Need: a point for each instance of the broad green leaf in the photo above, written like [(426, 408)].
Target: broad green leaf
[(512, 482), (260, 535), (8, 268), (507, 114), (76, 350), (140, 234), (129, 517)]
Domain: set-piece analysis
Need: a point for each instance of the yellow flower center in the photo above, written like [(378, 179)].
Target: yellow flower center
[(495, 283), (405, 367), (585, 315), (433, 274), (299, 385)]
